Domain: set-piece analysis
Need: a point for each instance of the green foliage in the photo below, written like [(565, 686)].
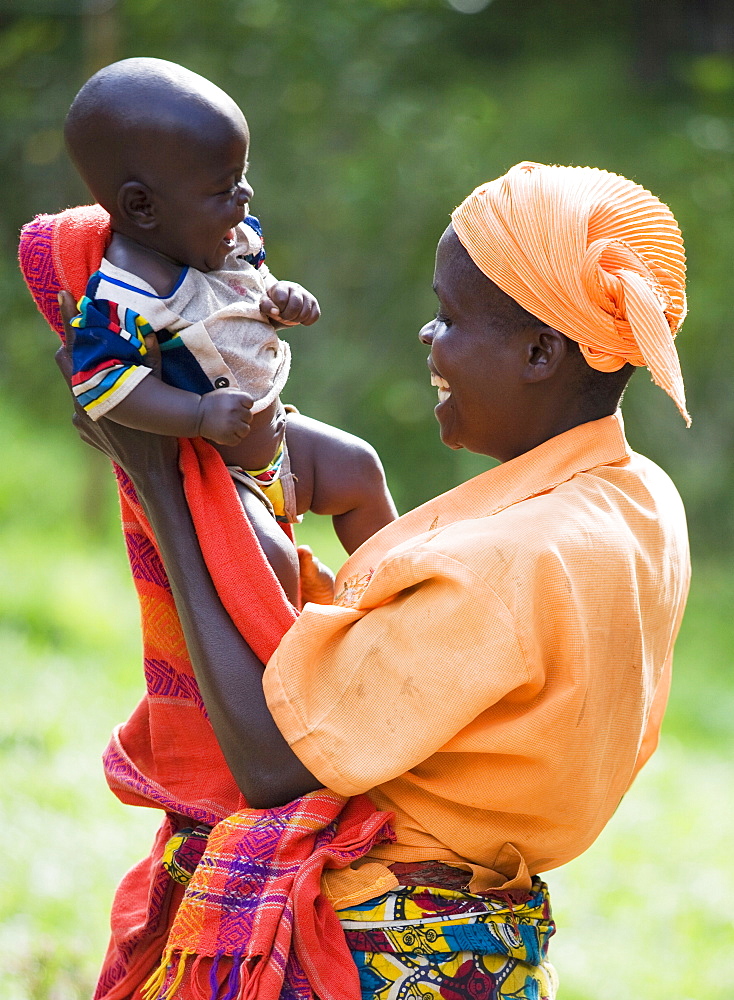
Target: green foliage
[(370, 121), (642, 914)]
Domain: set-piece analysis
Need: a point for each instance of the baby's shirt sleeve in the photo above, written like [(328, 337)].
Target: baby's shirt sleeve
[(255, 242), (107, 356), (257, 255)]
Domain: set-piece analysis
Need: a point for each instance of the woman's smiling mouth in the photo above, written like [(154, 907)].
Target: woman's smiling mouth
[(444, 389)]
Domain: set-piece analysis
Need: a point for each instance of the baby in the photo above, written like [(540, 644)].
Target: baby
[(165, 152)]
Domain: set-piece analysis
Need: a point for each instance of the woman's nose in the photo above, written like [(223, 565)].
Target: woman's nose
[(425, 334)]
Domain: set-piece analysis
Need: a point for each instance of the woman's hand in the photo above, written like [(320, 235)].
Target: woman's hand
[(317, 580)]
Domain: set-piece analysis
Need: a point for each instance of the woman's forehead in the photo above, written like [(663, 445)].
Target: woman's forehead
[(448, 261), (456, 275), (459, 282)]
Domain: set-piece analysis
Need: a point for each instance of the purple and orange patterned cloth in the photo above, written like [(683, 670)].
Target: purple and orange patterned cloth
[(166, 754), (253, 921)]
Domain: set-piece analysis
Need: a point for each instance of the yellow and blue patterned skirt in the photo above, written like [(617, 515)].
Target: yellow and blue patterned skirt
[(428, 943)]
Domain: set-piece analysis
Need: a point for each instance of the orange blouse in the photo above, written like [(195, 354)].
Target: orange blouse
[(497, 664)]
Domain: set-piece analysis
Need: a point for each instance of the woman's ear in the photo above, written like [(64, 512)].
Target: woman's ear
[(546, 349), (136, 205)]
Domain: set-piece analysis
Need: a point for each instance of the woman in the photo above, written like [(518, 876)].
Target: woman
[(496, 664)]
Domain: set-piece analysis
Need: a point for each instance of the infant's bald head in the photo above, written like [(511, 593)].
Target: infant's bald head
[(132, 119)]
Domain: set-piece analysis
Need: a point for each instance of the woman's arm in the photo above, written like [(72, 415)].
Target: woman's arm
[(228, 673)]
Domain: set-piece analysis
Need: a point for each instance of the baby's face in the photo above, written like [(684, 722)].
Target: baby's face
[(203, 196)]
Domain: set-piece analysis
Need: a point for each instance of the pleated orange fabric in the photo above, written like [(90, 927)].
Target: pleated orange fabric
[(591, 254)]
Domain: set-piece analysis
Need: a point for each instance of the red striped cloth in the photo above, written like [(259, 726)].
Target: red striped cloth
[(166, 754), (253, 922)]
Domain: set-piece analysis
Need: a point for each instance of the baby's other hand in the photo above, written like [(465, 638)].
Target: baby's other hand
[(317, 580), (224, 416), (288, 304)]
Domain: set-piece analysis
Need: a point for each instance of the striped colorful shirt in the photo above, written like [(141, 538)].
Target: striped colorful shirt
[(209, 328)]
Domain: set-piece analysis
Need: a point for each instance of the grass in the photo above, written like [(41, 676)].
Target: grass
[(643, 914)]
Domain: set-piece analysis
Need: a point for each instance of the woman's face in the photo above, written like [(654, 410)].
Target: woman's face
[(475, 360)]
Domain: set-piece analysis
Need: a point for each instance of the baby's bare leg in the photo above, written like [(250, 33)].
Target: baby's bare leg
[(254, 452), (340, 475), (278, 548), (261, 444)]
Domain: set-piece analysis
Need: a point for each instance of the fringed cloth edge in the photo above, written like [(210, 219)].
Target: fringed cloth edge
[(254, 905)]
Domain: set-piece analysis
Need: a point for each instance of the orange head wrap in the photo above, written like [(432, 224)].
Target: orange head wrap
[(589, 253)]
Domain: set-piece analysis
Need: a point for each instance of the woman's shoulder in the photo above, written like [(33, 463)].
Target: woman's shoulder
[(602, 516)]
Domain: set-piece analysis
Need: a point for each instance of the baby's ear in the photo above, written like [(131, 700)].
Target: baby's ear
[(135, 204)]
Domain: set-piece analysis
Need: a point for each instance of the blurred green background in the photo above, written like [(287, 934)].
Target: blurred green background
[(370, 121)]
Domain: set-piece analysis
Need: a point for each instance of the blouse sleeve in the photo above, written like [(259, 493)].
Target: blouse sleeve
[(364, 694)]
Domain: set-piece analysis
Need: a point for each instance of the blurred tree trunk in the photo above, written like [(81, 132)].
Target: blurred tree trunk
[(100, 33), (669, 28), (100, 30)]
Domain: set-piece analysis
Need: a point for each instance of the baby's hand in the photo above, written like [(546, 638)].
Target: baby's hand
[(224, 416), (289, 304)]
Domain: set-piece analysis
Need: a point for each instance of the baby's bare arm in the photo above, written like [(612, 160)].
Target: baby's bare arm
[(222, 415), (340, 475)]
